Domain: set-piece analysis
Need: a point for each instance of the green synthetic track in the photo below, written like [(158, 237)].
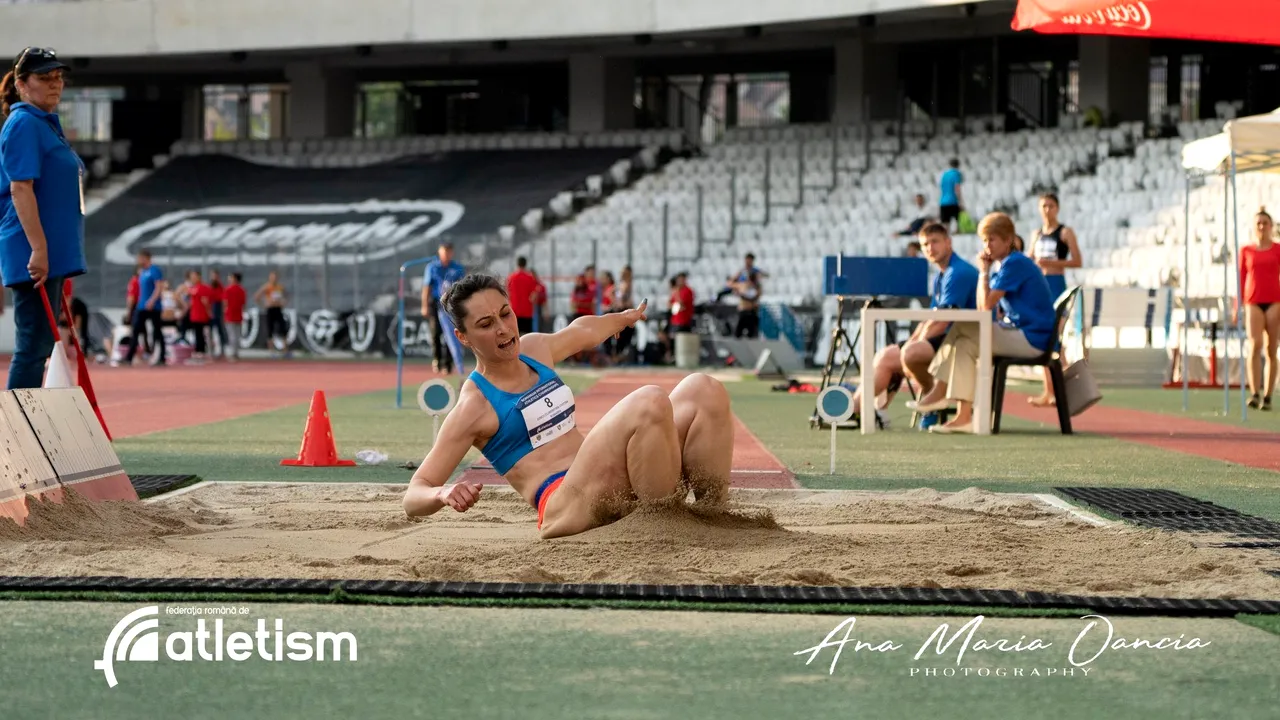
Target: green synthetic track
[(536, 663)]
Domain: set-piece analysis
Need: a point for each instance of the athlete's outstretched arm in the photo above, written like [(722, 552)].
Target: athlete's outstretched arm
[(588, 332), (427, 493)]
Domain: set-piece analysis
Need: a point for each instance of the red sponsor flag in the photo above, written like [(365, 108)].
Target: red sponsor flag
[(1237, 21)]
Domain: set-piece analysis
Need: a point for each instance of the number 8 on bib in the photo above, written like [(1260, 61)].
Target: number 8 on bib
[(548, 412)]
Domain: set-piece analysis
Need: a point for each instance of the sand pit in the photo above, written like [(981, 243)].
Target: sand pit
[(919, 538)]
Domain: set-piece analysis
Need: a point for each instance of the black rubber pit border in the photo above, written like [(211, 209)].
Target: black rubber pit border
[(151, 485), (1169, 510), (790, 595)]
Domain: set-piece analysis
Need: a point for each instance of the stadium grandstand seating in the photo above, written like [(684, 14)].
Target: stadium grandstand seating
[(850, 189), (790, 194), (857, 190), (352, 152)]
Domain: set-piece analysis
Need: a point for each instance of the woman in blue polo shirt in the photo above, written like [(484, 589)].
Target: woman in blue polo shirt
[(1024, 328), (41, 206)]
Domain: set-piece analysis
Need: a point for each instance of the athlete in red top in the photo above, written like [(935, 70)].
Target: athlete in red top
[(1260, 291), (233, 301), (200, 299), (593, 287), (521, 288), (607, 297), (131, 294), (682, 305), (539, 297), (583, 298)]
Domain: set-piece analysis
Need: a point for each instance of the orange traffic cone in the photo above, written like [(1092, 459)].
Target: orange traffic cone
[(318, 448)]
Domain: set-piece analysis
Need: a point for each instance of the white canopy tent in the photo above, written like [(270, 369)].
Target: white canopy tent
[(1250, 144)]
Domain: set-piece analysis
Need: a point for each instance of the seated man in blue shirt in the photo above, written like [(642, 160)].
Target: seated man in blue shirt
[(1024, 329), (955, 286)]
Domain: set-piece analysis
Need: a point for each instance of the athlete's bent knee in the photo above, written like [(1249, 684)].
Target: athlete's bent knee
[(704, 384), (650, 404), (709, 393)]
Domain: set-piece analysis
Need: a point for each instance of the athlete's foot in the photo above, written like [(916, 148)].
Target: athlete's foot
[(1266, 403), (1043, 401), (1253, 401)]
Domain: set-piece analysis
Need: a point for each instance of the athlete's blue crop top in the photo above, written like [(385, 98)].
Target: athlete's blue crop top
[(526, 420)]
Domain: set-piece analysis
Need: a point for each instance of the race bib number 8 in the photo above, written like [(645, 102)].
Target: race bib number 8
[(548, 412)]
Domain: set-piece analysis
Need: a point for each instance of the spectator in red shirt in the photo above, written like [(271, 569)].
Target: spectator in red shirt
[(199, 309), (218, 317), (131, 304), (608, 299), (233, 300), (131, 294), (593, 288), (682, 305), (539, 298), (583, 298), (522, 288), (608, 304)]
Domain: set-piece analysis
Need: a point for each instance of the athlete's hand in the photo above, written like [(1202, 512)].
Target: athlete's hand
[(461, 495), (633, 316), (636, 314)]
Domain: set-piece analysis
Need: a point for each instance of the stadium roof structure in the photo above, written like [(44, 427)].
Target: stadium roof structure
[(1231, 21), (1255, 140)]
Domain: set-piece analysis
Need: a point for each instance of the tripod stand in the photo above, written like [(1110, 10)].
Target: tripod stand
[(838, 336)]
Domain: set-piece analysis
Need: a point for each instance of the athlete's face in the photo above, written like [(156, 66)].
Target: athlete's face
[(1263, 227), (491, 330), (1048, 210)]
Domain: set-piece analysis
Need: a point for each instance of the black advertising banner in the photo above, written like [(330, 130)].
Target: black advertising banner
[(324, 332), (321, 227)]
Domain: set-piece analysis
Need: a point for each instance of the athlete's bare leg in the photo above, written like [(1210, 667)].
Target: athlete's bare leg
[(704, 424), (1273, 342), (1255, 324), (633, 453)]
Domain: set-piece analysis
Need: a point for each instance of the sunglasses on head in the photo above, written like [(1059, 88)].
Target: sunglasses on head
[(47, 53)]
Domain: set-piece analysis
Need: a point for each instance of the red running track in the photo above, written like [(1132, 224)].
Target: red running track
[(140, 400)]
